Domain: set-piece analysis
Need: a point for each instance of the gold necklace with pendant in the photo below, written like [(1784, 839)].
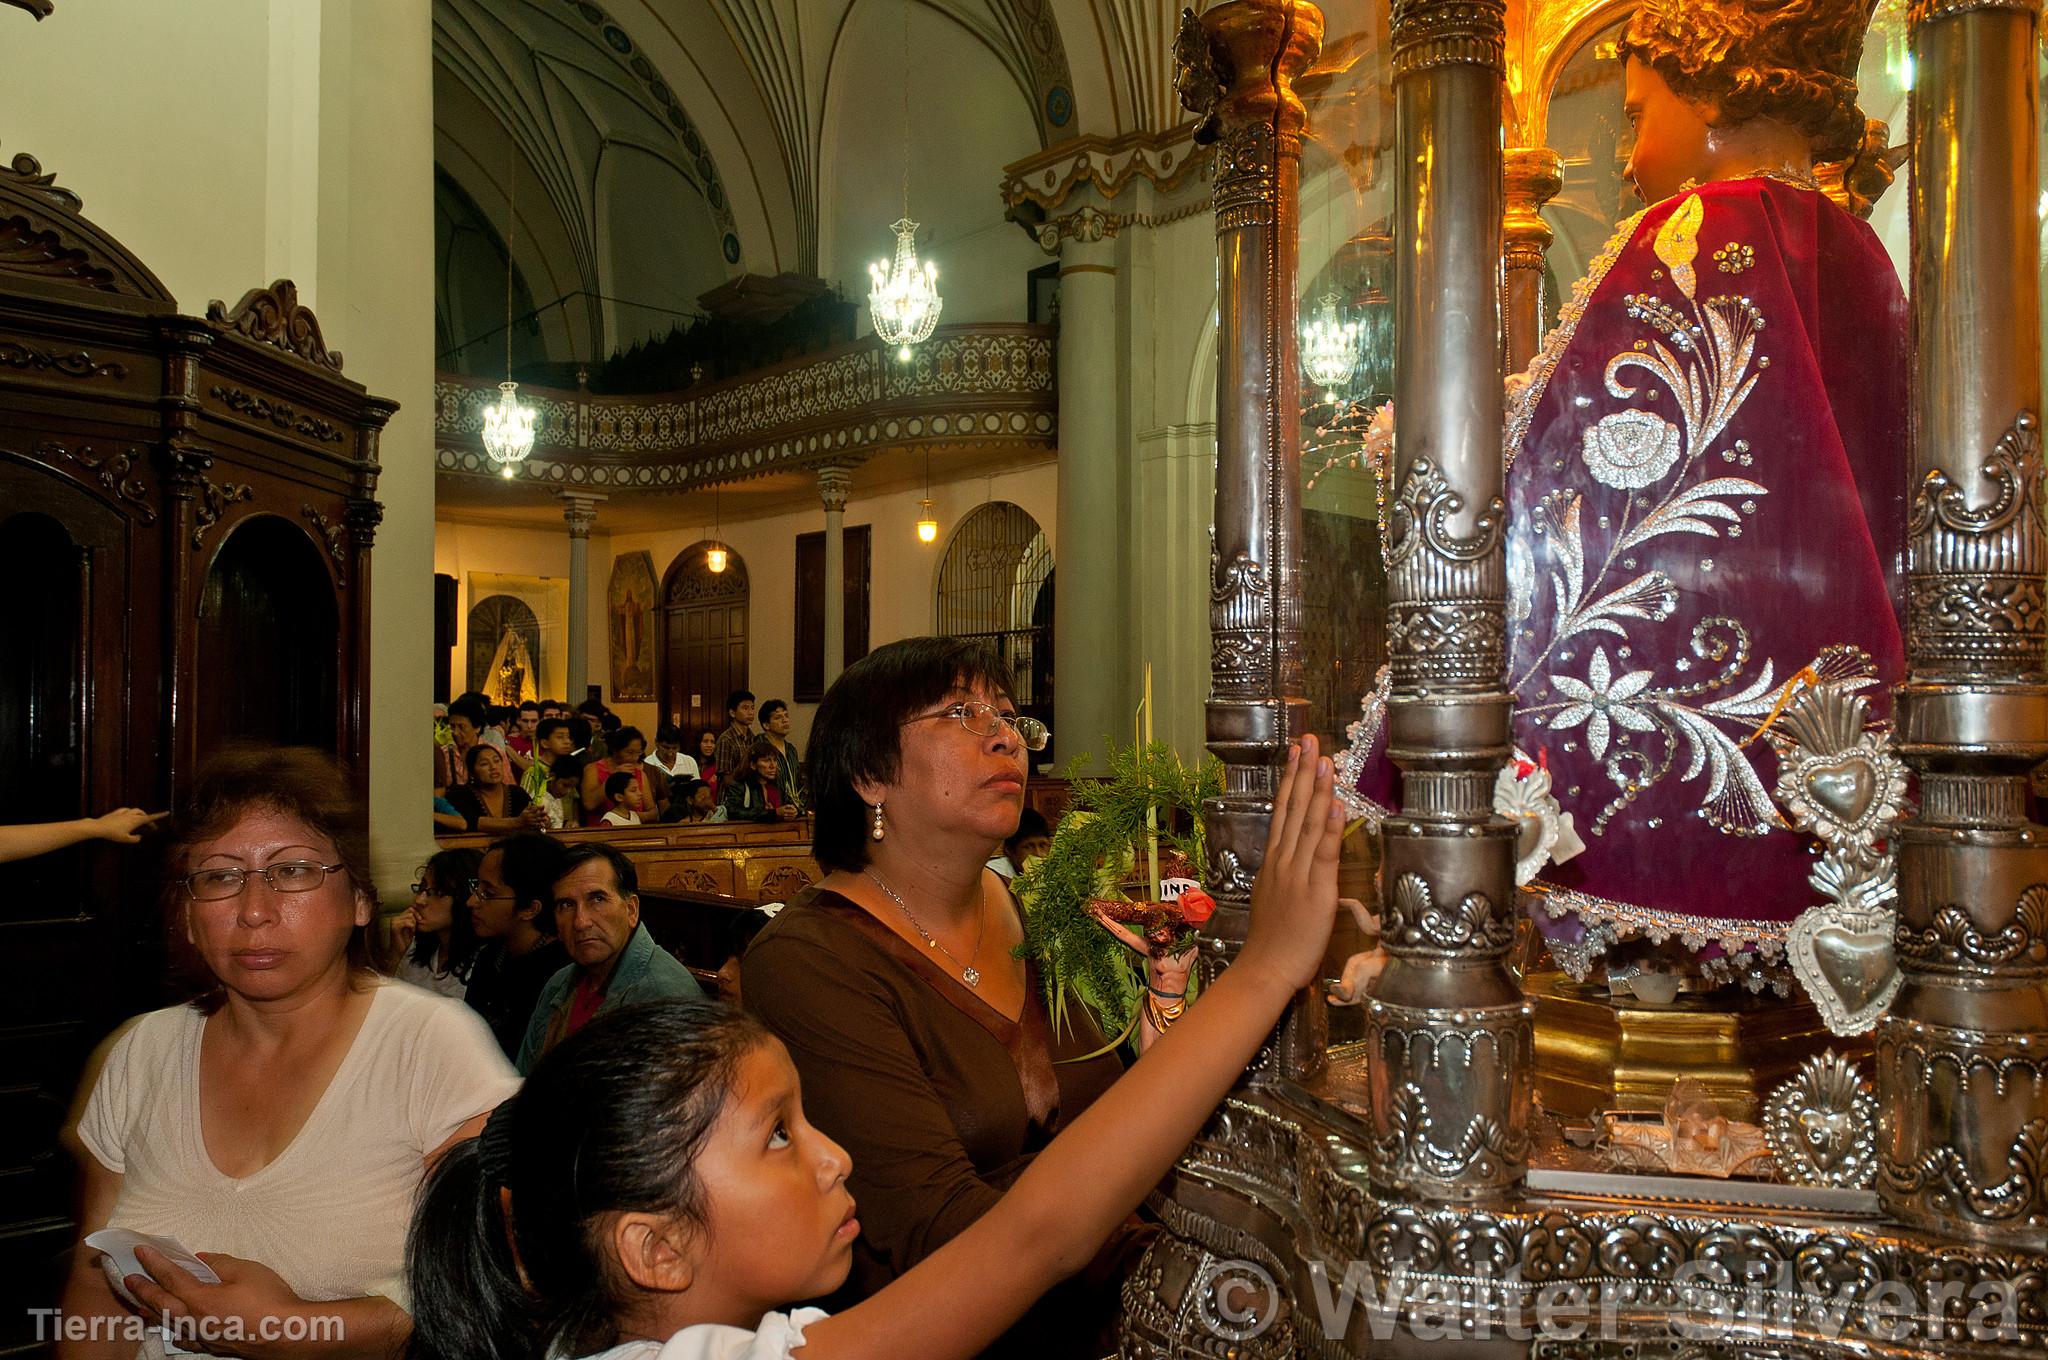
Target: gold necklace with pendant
[(969, 974)]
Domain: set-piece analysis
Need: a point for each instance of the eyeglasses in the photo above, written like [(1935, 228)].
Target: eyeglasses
[(477, 893), (293, 876), (985, 720)]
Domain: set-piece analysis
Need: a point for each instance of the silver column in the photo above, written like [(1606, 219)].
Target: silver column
[(1238, 66), (1963, 1053), (1450, 1035)]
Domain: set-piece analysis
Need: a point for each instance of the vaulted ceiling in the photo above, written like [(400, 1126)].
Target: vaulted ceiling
[(552, 106), (741, 101)]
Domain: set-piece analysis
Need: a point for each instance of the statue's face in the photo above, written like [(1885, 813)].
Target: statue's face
[(1672, 136)]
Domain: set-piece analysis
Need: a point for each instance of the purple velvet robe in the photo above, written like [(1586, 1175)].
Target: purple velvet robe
[(1706, 494)]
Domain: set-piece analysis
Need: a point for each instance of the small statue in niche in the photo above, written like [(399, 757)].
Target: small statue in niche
[(510, 667), (1706, 483)]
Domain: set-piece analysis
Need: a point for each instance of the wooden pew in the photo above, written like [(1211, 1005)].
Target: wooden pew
[(750, 862), (744, 862), (1048, 793), (691, 926), (694, 879)]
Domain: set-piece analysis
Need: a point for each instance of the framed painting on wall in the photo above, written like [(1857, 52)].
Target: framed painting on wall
[(632, 599)]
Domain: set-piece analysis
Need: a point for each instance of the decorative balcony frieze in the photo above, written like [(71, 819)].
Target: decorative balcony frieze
[(1106, 164), (967, 384)]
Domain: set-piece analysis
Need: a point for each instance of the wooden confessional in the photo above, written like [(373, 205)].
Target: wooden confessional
[(187, 508)]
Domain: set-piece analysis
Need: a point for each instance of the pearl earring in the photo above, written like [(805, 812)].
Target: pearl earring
[(876, 833)]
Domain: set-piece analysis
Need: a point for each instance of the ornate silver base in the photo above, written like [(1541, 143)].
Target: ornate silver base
[(1277, 1244)]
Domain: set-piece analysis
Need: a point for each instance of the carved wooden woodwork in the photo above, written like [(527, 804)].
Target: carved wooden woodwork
[(164, 458), (745, 862)]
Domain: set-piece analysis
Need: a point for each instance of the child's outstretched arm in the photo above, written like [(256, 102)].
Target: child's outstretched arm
[(122, 826), (1098, 1169)]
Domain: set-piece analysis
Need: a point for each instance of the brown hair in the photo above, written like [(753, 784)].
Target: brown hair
[(857, 732), (298, 782), (1792, 60)]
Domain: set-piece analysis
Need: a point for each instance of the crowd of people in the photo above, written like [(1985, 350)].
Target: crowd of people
[(541, 766), (613, 1163)]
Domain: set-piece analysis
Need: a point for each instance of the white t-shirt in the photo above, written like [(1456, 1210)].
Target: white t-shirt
[(622, 817), (330, 1213), (684, 768), (423, 975), (780, 1334)]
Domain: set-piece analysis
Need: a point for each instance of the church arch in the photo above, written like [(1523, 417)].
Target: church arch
[(563, 97), (704, 621), (995, 586), (504, 649)]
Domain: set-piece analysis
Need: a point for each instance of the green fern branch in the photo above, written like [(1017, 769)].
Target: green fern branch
[(1096, 847)]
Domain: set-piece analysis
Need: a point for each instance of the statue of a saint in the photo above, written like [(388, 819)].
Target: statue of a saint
[(1706, 486), (511, 666)]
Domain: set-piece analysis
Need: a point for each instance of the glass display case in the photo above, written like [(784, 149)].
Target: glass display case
[(1404, 199)]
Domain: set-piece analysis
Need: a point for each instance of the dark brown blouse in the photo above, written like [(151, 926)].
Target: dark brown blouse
[(940, 1099)]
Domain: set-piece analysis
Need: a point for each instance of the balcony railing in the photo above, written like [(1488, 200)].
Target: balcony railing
[(967, 384)]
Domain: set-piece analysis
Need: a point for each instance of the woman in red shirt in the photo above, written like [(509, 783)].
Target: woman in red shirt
[(623, 752)]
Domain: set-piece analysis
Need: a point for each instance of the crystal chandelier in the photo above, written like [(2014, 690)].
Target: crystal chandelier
[(1329, 347), (508, 429), (904, 302), (508, 426)]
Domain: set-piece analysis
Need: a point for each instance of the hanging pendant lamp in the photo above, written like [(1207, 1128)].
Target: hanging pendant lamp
[(1329, 348), (508, 422), (927, 526), (715, 556)]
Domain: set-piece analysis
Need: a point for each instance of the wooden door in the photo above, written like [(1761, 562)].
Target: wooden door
[(78, 928), (704, 620), (269, 631)]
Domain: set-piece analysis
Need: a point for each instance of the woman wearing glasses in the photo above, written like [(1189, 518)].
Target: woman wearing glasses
[(282, 1120), (437, 935), (922, 1042)]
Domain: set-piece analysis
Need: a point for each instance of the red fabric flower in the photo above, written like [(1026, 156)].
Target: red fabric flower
[(1196, 906)]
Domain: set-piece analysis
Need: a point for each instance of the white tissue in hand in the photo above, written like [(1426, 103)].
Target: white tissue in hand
[(119, 1262)]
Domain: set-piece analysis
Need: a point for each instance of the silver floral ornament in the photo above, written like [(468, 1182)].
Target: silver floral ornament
[(1630, 449), (1600, 700)]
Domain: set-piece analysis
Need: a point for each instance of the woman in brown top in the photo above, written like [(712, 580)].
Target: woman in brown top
[(922, 1042)]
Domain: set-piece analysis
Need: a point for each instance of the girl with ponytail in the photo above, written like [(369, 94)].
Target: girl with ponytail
[(655, 1190)]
